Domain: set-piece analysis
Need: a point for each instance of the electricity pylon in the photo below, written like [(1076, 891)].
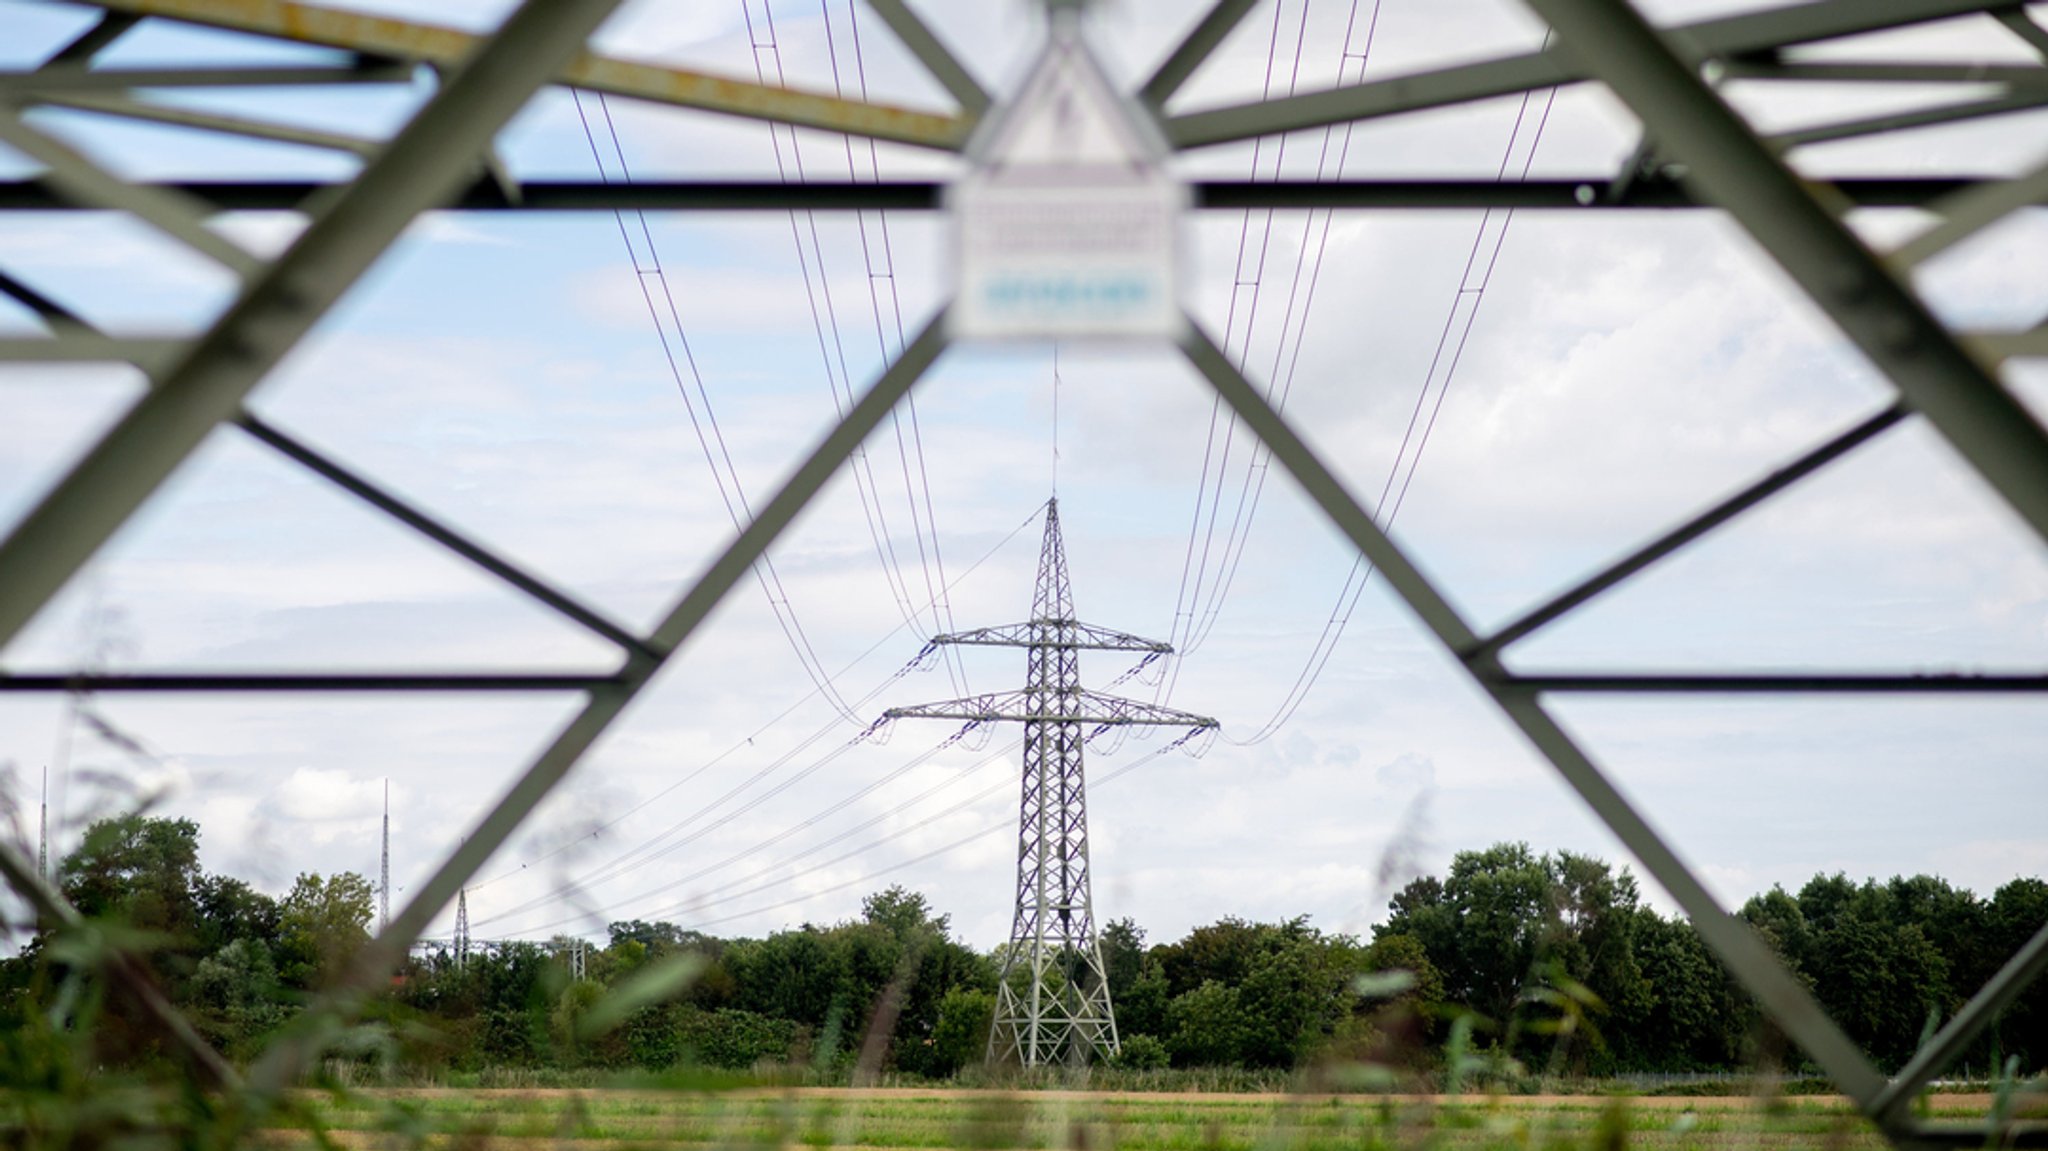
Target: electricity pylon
[(1064, 1012), (384, 868)]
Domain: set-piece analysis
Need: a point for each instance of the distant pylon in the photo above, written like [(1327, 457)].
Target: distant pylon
[(43, 832), (462, 929), (384, 869), (1063, 1012)]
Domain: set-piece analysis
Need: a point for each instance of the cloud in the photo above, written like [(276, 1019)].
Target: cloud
[(325, 795), (1408, 770)]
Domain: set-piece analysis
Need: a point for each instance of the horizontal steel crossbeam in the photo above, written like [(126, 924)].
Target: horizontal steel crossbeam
[(379, 36), (1054, 633), (487, 195), (1082, 706)]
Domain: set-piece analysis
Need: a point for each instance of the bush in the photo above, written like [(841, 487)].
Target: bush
[(735, 1039), (1141, 1053), (1208, 1026), (960, 1037)]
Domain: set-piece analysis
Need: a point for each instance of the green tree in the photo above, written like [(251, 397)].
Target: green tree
[(323, 922), (1208, 1026), (1142, 1007), (139, 870), (236, 998), (1697, 1019), (904, 914), (1123, 956), (960, 1037), (229, 909), (1484, 926), (2016, 911)]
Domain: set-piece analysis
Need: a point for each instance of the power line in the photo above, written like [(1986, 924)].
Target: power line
[(727, 895), (1135, 671), (1361, 572), (868, 489), (1193, 575), (1281, 386), (748, 741), (915, 449), (735, 500), (662, 846)]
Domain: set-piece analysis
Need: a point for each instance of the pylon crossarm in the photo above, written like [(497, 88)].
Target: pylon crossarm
[(384, 38), (1065, 633), (1081, 706), (1745, 34)]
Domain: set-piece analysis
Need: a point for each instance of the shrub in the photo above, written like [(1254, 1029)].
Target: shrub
[(1141, 1053)]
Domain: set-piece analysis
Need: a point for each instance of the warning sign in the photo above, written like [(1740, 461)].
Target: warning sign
[(1067, 226)]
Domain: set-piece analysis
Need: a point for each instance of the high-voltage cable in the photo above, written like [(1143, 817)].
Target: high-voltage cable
[(1282, 382), (813, 820), (942, 614), (748, 741), (1392, 497), (869, 490), (666, 845), (764, 572), (727, 894), (1193, 574)]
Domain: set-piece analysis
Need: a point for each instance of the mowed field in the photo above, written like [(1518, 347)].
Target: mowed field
[(1083, 1121)]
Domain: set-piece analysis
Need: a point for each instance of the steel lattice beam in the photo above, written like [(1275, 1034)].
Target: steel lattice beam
[(383, 38)]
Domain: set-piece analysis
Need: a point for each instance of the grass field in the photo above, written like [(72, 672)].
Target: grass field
[(826, 1118)]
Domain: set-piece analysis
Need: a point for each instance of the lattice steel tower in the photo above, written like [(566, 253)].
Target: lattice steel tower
[(1062, 1011)]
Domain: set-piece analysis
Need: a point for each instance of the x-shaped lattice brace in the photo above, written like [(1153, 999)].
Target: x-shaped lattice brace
[(1940, 376)]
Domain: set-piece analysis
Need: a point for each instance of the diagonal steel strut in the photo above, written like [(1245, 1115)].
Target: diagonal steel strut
[(1787, 1000), (424, 166), (1934, 373), (372, 966)]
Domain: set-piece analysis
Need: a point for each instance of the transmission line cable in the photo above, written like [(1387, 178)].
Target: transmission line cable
[(1282, 381), (934, 587), (667, 844), (728, 896), (748, 741), (983, 833), (1194, 571), (568, 890), (1449, 353), (837, 375), (731, 885), (722, 469)]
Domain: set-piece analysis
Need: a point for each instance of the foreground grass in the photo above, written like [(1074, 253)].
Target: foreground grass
[(911, 1118)]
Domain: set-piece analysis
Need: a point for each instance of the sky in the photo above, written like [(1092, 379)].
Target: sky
[(509, 374)]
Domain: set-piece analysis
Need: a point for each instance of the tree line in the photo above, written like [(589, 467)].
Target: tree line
[(1511, 958)]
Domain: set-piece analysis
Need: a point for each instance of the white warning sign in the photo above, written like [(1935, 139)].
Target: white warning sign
[(1068, 225)]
